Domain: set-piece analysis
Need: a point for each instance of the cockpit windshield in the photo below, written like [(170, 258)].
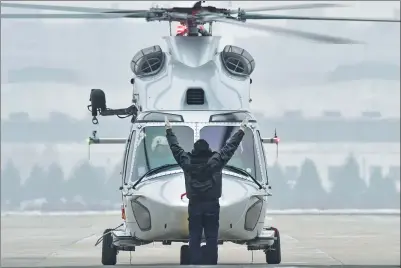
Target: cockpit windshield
[(153, 150), (244, 157)]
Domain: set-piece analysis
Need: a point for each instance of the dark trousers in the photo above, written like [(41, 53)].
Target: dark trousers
[(203, 216)]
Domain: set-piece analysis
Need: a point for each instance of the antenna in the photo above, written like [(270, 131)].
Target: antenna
[(276, 140), (89, 144)]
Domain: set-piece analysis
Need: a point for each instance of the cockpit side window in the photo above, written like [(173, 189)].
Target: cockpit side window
[(262, 149), (128, 157)]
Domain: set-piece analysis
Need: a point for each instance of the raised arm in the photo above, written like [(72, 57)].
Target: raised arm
[(179, 154), (221, 158)]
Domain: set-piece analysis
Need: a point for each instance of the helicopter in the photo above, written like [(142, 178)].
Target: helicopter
[(204, 93)]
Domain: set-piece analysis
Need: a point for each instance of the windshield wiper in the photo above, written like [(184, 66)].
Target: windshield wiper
[(243, 172), (153, 171)]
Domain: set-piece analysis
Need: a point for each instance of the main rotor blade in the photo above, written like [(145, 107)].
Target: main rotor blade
[(286, 17), (292, 33), (211, 17), (288, 7), (71, 16), (67, 8), (179, 16)]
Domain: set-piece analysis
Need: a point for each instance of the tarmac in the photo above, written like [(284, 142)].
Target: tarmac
[(307, 241)]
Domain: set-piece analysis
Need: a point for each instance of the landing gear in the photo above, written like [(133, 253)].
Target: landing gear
[(273, 254), (109, 253), (184, 255)]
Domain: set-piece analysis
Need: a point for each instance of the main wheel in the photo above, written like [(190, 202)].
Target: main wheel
[(109, 253), (273, 255), (184, 255)]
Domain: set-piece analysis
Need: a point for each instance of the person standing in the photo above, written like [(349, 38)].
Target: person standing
[(203, 183)]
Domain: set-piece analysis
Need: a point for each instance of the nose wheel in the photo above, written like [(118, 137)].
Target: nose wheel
[(184, 255)]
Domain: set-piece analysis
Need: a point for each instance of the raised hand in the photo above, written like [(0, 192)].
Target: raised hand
[(167, 123), (244, 124)]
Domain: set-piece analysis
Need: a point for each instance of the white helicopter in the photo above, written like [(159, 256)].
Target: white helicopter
[(204, 93)]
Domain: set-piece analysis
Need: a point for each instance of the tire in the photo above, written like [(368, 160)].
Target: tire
[(274, 256), (109, 253), (184, 255)]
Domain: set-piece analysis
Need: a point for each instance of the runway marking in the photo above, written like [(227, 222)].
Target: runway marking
[(85, 239), (290, 238), (314, 250), (383, 218), (81, 239), (66, 246), (305, 243), (343, 236)]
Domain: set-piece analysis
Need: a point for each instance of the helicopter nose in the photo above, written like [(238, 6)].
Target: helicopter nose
[(173, 190), (233, 190)]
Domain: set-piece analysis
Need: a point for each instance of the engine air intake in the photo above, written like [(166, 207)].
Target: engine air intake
[(148, 61), (237, 61), (195, 96)]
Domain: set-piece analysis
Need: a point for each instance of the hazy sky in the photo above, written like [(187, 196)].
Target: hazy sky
[(373, 9), (371, 100), (332, 99)]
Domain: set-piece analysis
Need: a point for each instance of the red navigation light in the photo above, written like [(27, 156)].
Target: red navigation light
[(123, 212)]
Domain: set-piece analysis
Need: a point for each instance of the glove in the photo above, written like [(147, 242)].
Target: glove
[(167, 123), (244, 124)]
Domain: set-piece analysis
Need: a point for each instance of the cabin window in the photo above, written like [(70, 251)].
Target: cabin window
[(128, 157), (244, 157), (153, 150)]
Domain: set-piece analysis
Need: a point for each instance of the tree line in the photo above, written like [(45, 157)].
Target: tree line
[(88, 188), (61, 128)]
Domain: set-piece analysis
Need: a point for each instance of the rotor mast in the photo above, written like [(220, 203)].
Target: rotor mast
[(191, 23)]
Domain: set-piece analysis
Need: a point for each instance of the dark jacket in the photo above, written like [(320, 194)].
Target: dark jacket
[(203, 173)]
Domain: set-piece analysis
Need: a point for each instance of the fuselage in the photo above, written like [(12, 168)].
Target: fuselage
[(205, 94), (159, 195)]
